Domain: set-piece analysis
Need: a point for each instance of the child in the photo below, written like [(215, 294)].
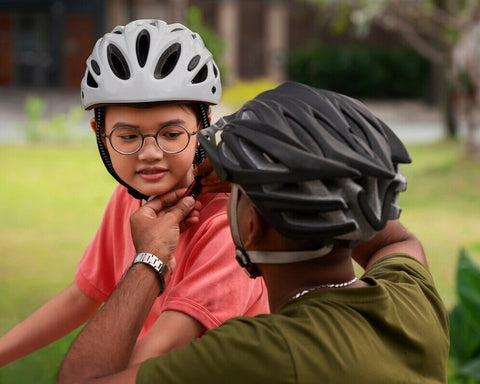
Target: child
[(315, 184), (150, 84)]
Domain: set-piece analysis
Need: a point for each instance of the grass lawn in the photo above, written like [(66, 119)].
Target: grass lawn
[(52, 199), (51, 202)]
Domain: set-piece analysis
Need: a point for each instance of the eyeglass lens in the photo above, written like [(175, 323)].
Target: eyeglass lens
[(171, 139)]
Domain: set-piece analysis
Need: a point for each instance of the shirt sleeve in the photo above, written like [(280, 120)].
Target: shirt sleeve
[(111, 251)]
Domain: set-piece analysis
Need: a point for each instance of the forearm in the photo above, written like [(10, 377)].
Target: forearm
[(60, 315), (105, 345), (394, 238)]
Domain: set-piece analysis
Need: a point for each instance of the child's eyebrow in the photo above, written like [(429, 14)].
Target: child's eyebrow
[(124, 125), (162, 124)]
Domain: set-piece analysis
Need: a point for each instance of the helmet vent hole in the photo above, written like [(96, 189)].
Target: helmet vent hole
[(193, 63), (90, 81), (95, 67), (177, 29), (201, 76), (117, 62), (167, 62), (142, 47), (215, 71), (214, 90)]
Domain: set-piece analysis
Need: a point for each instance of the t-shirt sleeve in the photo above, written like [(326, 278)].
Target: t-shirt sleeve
[(208, 284), (111, 251), (400, 271), (398, 266)]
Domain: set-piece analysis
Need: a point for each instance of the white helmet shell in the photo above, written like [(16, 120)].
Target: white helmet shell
[(150, 61)]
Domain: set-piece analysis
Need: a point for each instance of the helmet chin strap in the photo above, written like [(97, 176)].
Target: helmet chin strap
[(248, 259)]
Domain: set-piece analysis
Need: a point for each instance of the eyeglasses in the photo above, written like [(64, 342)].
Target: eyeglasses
[(129, 140)]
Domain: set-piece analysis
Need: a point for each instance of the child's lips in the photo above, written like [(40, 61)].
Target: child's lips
[(152, 174)]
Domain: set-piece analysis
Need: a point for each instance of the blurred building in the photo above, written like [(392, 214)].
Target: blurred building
[(45, 42)]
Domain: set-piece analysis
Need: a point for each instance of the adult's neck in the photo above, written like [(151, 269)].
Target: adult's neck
[(283, 281)]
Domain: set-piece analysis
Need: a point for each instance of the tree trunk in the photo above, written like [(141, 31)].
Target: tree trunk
[(447, 95)]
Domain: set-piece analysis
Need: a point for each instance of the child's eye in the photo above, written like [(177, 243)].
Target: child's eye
[(171, 133), (126, 134)]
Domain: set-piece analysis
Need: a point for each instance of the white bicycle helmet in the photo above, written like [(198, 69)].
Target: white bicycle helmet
[(316, 164), (150, 61)]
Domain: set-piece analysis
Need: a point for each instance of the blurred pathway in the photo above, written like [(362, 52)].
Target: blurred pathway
[(413, 122)]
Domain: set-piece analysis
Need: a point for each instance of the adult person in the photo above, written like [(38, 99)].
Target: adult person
[(315, 182)]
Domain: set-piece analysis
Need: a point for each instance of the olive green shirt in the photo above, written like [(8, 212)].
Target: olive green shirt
[(395, 331)]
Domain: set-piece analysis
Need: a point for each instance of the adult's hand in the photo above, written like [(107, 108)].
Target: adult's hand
[(210, 181), (156, 225)]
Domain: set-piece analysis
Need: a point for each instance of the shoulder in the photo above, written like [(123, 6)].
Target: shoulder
[(400, 263), (214, 203), (121, 198), (405, 278)]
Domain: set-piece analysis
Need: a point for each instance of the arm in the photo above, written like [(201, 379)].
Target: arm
[(60, 315), (172, 330), (394, 238), (101, 352)]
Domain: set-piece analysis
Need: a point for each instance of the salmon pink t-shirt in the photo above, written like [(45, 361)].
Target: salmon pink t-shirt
[(207, 283)]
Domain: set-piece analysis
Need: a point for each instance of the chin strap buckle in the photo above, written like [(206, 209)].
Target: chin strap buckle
[(244, 261)]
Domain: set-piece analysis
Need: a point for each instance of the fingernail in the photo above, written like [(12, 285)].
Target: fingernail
[(189, 202)]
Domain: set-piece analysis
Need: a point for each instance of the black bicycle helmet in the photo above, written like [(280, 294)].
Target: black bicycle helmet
[(317, 165)]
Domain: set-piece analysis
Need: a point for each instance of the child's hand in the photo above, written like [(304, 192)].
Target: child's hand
[(210, 181), (155, 226)]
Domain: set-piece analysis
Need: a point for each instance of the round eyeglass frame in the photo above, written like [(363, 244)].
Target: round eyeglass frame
[(155, 136)]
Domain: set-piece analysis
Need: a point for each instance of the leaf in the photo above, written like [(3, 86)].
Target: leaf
[(468, 286), (471, 369), (464, 337)]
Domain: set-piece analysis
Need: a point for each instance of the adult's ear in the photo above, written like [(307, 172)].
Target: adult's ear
[(257, 226)]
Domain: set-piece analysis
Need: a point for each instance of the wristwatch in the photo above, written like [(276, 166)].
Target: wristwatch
[(157, 264)]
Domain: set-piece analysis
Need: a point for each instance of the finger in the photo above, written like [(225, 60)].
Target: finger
[(182, 209), (166, 200)]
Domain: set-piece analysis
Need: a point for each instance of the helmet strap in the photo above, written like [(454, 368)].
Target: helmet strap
[(248, 259), (200, 152)]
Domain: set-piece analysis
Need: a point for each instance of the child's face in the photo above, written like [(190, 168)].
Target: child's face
[(150, 170)]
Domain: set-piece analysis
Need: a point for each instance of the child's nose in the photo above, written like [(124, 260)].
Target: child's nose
[(150, 149)]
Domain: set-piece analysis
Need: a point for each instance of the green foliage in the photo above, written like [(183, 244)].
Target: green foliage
[(213, 42), (361, 70), (35, 108), (59, 128), (235, 95), (465, 322)]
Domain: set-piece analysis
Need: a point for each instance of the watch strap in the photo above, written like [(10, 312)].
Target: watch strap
[(154, 262)]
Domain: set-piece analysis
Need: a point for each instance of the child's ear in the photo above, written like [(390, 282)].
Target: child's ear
[(93, 125)]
